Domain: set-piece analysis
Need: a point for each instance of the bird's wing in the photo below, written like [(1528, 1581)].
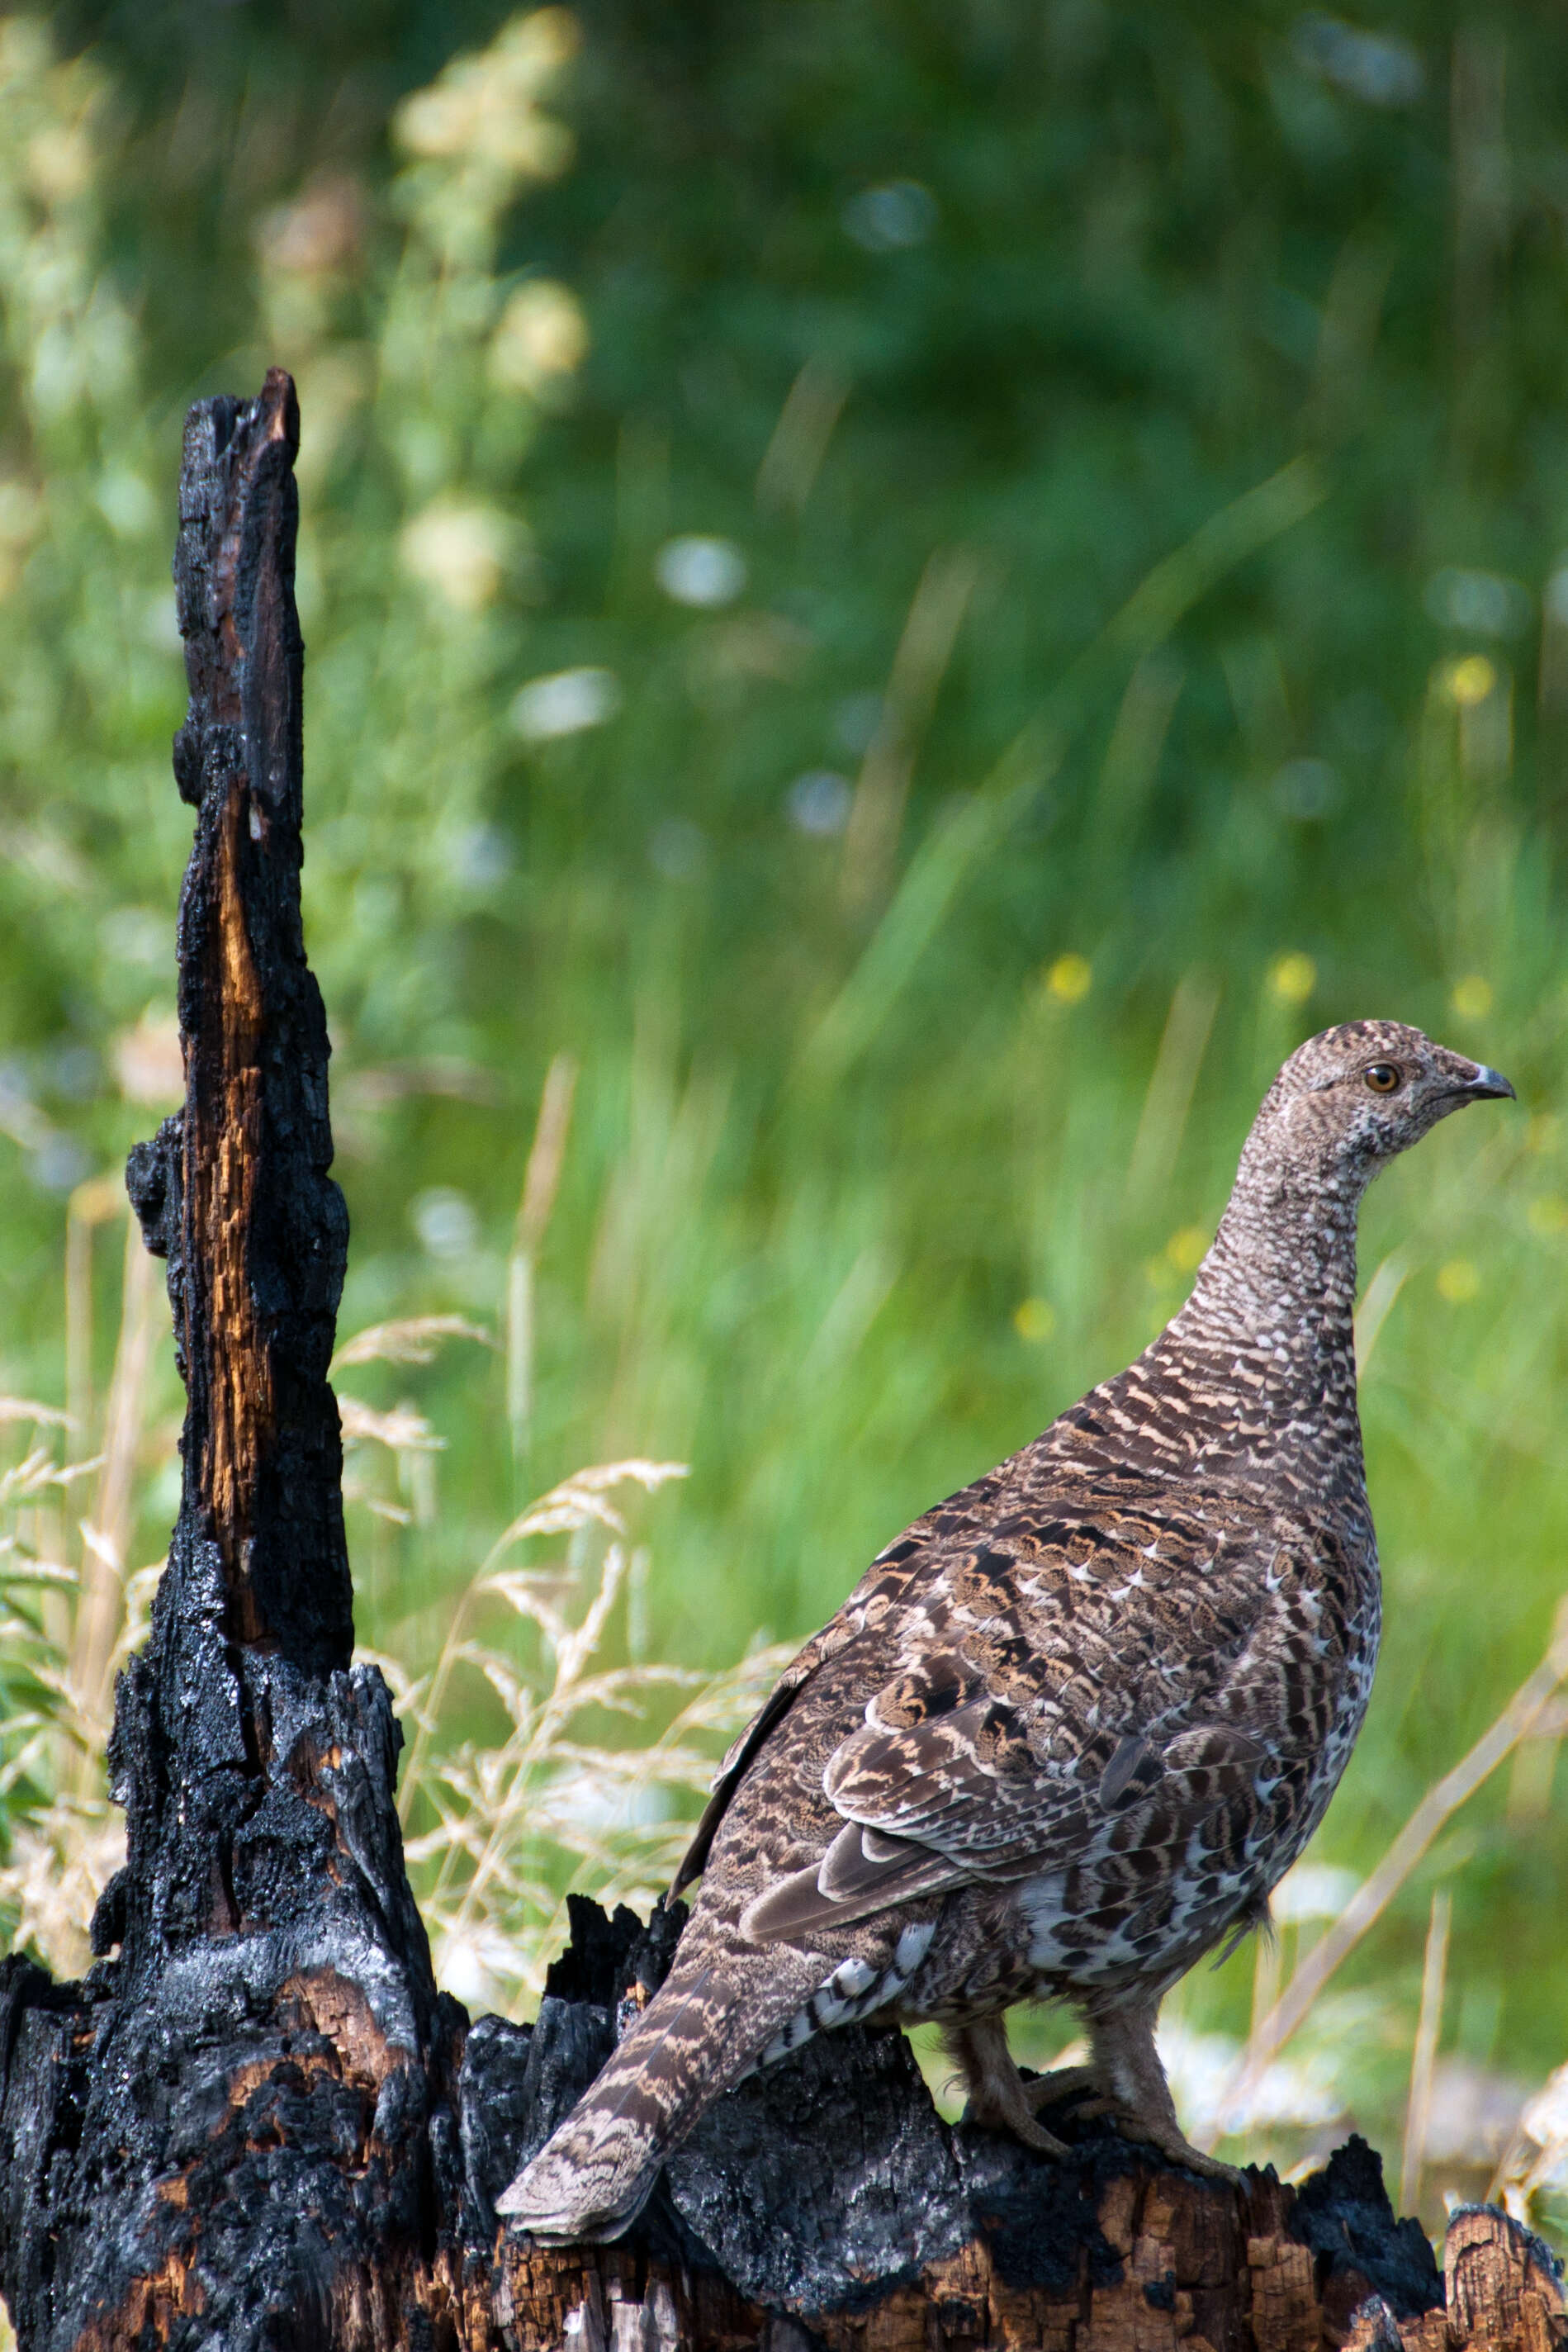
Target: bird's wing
[(882, 1590), (732, 1771), (1098, 1674)]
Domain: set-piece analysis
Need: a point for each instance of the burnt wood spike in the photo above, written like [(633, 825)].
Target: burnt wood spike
[(255, 2125), (230, 2131)]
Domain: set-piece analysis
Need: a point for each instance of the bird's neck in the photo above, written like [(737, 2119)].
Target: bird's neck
[(1255, 1378), (1270, 1324)]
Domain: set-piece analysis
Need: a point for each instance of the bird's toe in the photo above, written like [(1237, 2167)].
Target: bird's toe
[(1013, 2116), (1151, 2131), (1023, 2127), (1062, 2082)]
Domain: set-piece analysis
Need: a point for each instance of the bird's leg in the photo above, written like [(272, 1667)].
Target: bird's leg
[(1126, 2066), (1000, 2098)]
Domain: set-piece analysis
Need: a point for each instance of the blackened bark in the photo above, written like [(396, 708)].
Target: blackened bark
[(256, 2123), (235, 1190)]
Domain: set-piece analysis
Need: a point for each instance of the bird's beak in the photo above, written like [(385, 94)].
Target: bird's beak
[(1486, 1084)]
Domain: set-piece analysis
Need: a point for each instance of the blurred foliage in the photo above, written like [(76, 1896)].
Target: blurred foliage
[(922, 591)]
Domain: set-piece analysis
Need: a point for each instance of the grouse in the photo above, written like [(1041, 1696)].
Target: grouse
[(1075, 1722)]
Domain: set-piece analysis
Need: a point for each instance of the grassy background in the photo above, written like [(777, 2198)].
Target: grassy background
[(1134, 444)]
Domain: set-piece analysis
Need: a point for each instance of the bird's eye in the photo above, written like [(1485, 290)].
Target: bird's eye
[(1382, 1077)]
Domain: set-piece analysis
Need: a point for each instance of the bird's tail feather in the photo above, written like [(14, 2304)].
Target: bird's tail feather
[(699, 2034)]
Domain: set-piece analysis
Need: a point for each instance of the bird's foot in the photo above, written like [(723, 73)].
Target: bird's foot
[(1000, 2098), (1136, 2093), (1164, 2138)]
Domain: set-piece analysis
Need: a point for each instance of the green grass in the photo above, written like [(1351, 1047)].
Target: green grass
[(1208, 375)]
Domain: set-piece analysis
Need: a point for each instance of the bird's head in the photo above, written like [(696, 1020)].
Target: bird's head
[(1351, 1098)]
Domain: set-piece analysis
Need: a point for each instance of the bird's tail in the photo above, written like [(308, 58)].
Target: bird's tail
[(702, 2032)]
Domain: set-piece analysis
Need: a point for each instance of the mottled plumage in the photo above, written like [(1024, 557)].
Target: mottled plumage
[(1072, 1728)]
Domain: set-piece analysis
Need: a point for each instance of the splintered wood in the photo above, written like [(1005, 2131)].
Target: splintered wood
[(1201, 2267), (1504, 2292), (222, 1144)]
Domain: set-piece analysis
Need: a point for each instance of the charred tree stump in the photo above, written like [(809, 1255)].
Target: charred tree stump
[(256, 2123)]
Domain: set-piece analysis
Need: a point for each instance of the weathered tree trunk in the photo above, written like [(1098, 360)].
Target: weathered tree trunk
[(256, 2123)]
